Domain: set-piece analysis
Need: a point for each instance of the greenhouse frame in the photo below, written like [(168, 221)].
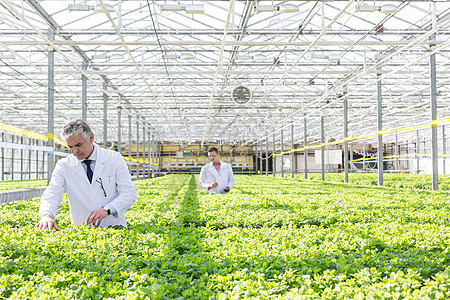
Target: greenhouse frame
[(299, 92)]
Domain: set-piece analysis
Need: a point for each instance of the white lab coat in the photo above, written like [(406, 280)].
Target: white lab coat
[(70, 177), (209, 174)]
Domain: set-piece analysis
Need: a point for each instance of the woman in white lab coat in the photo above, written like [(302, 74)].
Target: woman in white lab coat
[(97, 182), (217, 176)]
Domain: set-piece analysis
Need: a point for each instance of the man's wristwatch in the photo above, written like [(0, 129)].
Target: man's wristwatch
[(108, 211)]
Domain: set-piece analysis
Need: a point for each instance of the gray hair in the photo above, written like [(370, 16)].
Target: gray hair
[(76, 127)]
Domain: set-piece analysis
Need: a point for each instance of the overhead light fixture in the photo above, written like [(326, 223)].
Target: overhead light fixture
[(265, 8), (85, 7), (7, 56), (330, 56), (171, 7), (195, 9), (366, 8), (186, 56), (100, 56), (169, 56), (188, 8), (387, 8), (79, 7), (259, 57), (284, 8), (116, 56), (380, 56), (335, 57), (287, 8), (244, 57)]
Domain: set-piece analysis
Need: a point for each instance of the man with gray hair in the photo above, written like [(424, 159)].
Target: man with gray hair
[(96, 180)]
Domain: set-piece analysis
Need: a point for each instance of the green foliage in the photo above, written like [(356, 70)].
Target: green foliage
[(7, 186), (268, 238)]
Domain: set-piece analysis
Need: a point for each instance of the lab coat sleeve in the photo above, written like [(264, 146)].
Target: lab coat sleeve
[(125, 188), (202, 180), (52, 197), (230, 177)]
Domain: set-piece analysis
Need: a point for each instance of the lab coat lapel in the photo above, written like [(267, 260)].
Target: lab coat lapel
[(79, 170), (99, 164), (213, 171)]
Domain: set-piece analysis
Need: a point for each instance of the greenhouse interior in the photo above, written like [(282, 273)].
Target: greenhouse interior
[(328, 117)]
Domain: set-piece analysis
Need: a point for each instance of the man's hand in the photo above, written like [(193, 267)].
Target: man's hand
[(47, 222), (96, 217), (212, 185), (227, 189)]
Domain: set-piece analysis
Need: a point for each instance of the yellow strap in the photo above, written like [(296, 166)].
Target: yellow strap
[(380, 132), (30, 134)]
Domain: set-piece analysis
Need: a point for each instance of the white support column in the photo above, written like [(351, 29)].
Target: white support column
[(129, 143), (434, 138), (282, 156), (345, 135), (274, 161), (364, 155), (105, 116), (444, 151), (260, 158), (292, 153), (322, 149), (84, 92), (267, 156), (380, 128), (397, 162), (305, 137), (119, 129), (417, 151), (51, 106), (137, 149)]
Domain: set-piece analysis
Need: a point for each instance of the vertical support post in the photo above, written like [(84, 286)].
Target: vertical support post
[(267, 156), (129, 143), (417, 151), (37, 160), (3, 158), (305, 137), (256, 159), (153, 149), (148, 153), (29, 159), (345, 135), (261, 157), (434, 138), (380, 128), (12, 159), (322, 148), (444, 152), (43, 161), (292, 153), (282, 155), (397, 163), (105, 116), (274, 164), (364, 155), (51, 106), (351, 153), (159, 156), (84, 92), (119, 130), (21, 159), (137, 149), (144, 145)]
